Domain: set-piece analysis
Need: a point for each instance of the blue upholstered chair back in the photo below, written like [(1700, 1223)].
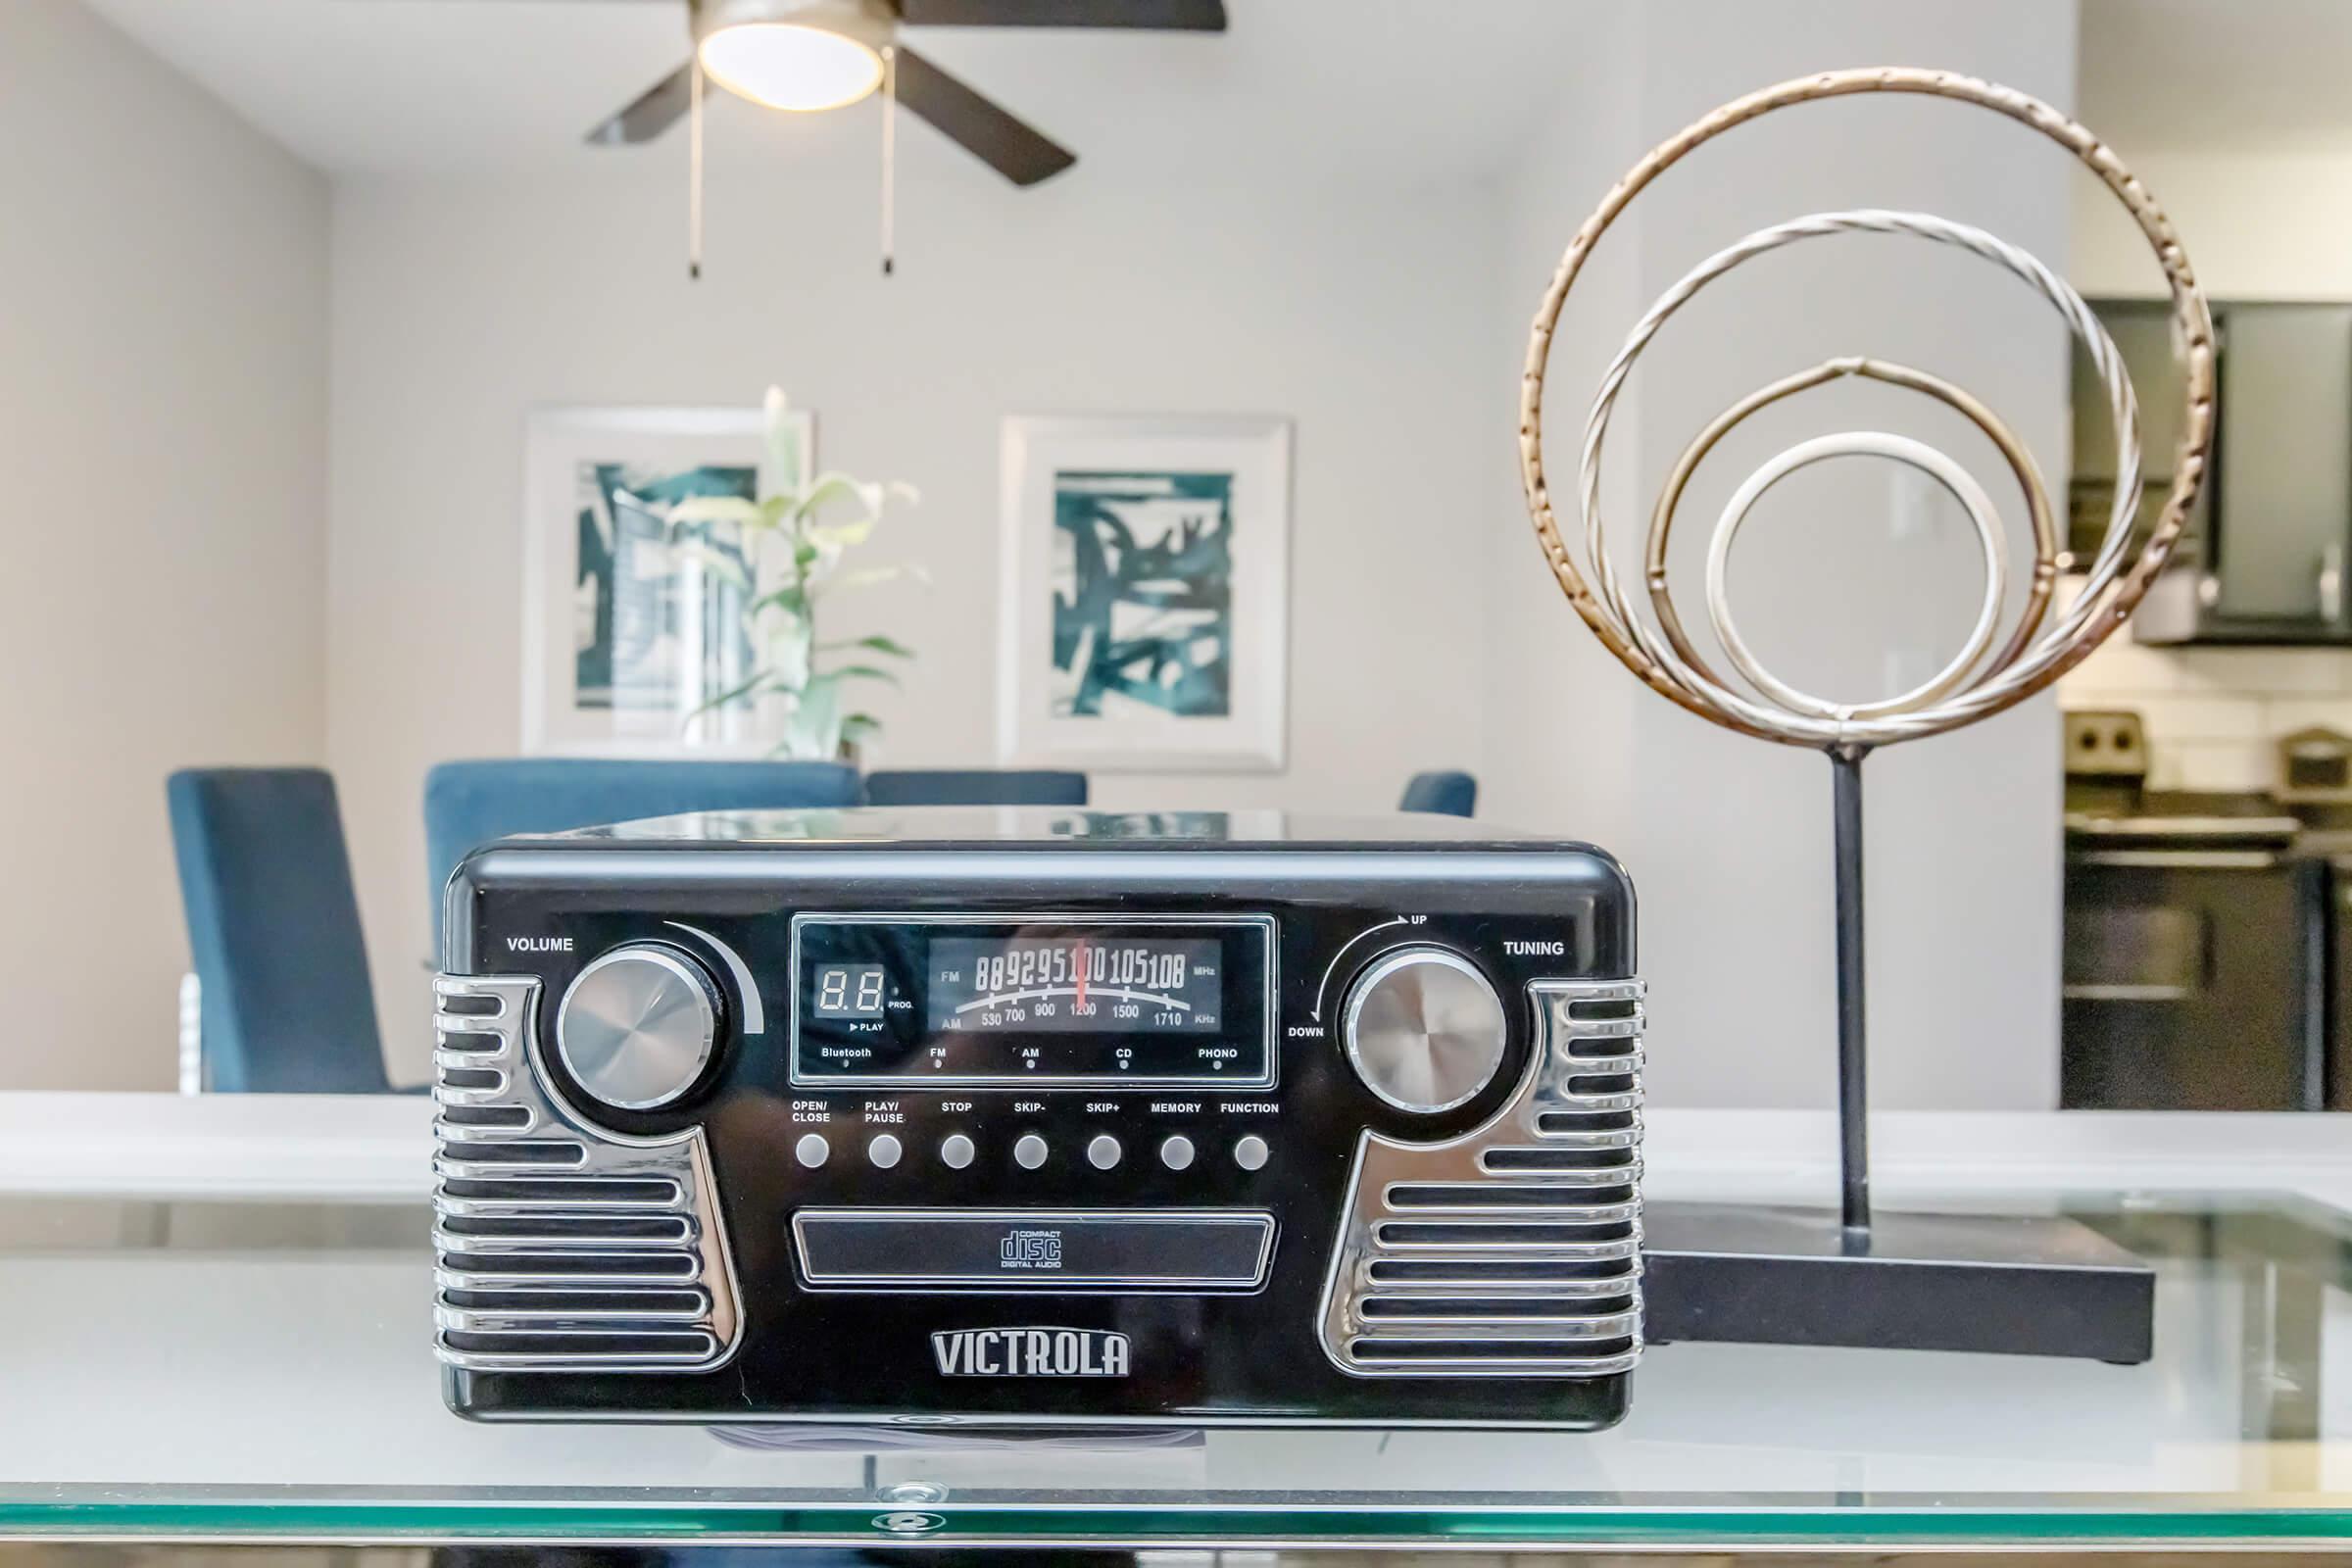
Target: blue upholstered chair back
[(274, 928), (974, 786), (1444, 794), (467, 805)]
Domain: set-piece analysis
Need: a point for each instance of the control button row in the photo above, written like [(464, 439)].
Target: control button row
[(1030, 1151)]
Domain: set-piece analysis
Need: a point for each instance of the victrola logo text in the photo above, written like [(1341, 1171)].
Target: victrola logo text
[(1030, 1353)]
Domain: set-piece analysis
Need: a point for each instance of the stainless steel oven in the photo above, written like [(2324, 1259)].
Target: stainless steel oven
[(2195, 967)]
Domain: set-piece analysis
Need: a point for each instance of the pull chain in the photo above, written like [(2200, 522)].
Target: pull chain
[(890, 157), (694, 174)]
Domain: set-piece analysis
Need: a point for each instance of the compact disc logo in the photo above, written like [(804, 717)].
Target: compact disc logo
[(1031, 1354)]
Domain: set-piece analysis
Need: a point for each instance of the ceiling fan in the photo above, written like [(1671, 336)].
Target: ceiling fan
[(826, 54)]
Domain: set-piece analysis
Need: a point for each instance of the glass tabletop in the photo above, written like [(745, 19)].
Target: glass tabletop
[(260, 1371)]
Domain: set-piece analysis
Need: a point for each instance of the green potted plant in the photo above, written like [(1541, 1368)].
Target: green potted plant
[(795, 539)]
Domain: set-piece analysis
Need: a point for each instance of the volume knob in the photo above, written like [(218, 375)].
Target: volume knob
[(1425, 1031), (637, 1027)]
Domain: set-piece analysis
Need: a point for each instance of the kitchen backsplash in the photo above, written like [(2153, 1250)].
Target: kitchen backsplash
[(2214, 713)]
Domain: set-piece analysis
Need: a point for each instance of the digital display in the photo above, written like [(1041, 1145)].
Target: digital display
[(1098, 983), (850, 991), (889, 1000)]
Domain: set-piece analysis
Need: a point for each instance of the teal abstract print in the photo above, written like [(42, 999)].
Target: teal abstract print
[(1146, 594), (641, 617), (1142, 594)]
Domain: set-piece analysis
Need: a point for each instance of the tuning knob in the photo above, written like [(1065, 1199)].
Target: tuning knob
[(1424, 1029), (637, 1027)]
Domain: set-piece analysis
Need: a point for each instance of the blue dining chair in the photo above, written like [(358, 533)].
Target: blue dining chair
[(284, 1002), (467, 805), (974, 786), (1444, 794)]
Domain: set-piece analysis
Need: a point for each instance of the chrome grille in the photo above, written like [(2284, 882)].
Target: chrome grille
[(1516, 1250), (562, 1246)]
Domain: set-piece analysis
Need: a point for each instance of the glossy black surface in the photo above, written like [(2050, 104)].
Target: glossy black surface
[(2001, 1284), (1340, 894)]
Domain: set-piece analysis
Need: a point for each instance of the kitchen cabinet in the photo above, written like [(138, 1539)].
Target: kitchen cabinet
[(2264, 557)]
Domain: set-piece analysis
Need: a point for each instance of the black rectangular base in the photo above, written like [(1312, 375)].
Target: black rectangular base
[(2015, 1285)]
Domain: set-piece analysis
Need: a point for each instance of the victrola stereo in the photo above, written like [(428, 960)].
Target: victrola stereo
[(1039, 1118)]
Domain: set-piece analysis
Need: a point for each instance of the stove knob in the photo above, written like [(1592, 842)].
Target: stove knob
[(637, 1028), (1424, 1029)]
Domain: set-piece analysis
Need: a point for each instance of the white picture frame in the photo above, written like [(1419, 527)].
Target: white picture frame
[(650, 619), (1111, 632)]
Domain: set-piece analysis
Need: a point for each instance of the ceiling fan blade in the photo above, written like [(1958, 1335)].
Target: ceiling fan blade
[(653, 111), (981, 129), (1167, 15)]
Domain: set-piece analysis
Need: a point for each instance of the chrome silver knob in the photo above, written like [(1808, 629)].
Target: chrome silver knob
[(637, 1027), (1424, 1029)]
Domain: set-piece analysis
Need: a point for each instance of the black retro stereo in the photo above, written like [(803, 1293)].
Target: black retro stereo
[(1039, 1118)]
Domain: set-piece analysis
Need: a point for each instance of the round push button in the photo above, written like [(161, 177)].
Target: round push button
[(637, 1027), (956, 1151), (1029, 1151), (1103, 1152), (1425, 1031), (1177, 1152), (812, 1151), (884, 1151), (1251, 1153)]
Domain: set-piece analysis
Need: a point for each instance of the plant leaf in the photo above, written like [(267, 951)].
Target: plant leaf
[(790, 600), (813, 731), (864, 672), (877, 643), (717, 561), (731, 509), (867, 576), (836, 486), (732, 694), (843, 537), (859, 725)]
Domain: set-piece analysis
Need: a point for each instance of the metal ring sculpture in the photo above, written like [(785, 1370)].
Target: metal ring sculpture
[(1971, 686)]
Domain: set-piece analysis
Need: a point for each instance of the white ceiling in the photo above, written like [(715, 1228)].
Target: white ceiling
[(2229, 76), (1397, 88)]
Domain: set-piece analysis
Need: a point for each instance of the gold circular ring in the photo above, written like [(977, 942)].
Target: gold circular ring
[(2191, 318), (2021, 466)]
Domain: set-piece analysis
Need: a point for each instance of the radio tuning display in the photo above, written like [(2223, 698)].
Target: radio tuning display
[(885, 999), (1100, 984)]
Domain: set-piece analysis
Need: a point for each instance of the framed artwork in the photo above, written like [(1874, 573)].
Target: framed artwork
[(628, 629), (1146, 592)]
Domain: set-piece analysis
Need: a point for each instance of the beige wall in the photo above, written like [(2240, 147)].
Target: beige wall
[(163, 434), (1842, 581), (1361, 314)]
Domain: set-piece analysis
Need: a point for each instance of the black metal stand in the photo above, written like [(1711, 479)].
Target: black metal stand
[(2023, 1285), (1853, 1071)]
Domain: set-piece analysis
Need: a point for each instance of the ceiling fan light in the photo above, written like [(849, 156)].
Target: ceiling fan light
[(787, 65)]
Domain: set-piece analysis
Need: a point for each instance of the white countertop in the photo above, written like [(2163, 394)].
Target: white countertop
[(377, 1147)]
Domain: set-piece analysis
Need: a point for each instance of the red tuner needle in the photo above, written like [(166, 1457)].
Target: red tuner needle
[(1078, 962)]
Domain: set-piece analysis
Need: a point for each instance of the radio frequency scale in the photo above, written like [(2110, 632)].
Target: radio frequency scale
[(1039, 1118)]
